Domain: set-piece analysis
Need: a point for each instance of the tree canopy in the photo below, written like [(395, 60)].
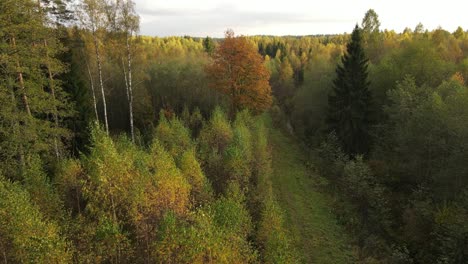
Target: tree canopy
[(239, 73), (350, 105)]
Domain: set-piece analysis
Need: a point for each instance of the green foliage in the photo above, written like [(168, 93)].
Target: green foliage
[(274, 242), (200, 242), (33, 102), (208, 45), (177, 81), (214, 140), (69, 179), (331, 159), (174, 136), (190, 167), (239, 153), (350, 105), (25, 235), (74, 194), (309, 217)]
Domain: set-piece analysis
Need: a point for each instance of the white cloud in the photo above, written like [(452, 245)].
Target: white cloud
[(293, 17)]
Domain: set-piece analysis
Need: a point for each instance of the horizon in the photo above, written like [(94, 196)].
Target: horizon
[(273, 18)]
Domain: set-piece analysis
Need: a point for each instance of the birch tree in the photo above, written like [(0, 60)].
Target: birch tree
[(93, 19), (129, 24)]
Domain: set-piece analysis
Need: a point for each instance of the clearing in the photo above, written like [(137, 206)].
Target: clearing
[(316, 235)]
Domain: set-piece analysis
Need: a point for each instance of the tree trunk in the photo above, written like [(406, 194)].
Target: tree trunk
[(52, 92), (16, 131), (130, 89), (52, 89), (24, 97), (98, 60), (92, 89)]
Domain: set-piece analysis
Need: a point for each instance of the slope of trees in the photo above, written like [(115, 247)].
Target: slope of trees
[(116, 148)]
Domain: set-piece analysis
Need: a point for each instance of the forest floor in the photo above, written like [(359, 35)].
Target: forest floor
[(316, 235)]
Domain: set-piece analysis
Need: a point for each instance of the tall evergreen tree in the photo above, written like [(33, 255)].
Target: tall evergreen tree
[(32, 101), (208, 45), (349, 106)]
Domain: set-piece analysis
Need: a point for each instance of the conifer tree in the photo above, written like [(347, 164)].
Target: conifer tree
[(31, 114), (349, 106), (208, 45)]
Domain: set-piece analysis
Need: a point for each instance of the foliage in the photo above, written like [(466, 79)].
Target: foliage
[(33, 102), (214, 141), (238, 72), (209, 186), (350, 105), (25, 235), (174, 136)]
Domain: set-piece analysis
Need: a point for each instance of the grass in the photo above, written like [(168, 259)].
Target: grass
[(316, 235)]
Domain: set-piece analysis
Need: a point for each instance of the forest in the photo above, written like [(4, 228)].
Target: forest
[(122, 148)]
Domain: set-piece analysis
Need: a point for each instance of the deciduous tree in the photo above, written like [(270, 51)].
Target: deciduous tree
[(238, 72)]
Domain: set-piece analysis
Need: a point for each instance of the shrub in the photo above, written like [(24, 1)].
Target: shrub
[(174, 136), (200, 186), (25, 236)]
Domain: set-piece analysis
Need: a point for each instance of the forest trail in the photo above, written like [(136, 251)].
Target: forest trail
[(316, 235)]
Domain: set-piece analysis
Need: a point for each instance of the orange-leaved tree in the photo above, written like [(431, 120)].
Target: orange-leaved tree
[(238, 71)]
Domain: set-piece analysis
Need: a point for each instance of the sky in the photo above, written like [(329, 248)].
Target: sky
[(200, 18)]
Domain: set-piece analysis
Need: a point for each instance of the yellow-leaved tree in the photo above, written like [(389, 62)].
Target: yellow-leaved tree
[(238, 71)]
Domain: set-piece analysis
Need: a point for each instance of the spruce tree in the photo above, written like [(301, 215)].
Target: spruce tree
[(208, 45), (349, 106)]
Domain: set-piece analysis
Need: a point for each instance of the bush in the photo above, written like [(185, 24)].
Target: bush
[(214, 140), (239, 156), (174, 136), (272, 238), (200, 186), (25, 236)]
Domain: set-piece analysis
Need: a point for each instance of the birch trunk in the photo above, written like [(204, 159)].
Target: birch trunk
[(98, 60), (130, 89), (92, 89)]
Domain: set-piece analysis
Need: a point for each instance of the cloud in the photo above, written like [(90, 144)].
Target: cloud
[(293, 17), (214, 21)]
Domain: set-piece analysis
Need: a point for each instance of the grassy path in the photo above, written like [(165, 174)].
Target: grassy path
[(316, 235)]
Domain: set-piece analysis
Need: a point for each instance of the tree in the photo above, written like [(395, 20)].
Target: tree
[(370, 22), (93, 19), (25, 234), (419, 29), (238, 72), (371, 36), (208, 45), (30, 113), (349, 107), (129, 23), (459, 33)]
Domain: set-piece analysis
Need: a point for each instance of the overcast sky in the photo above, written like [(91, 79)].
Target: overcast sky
[(292, 17)]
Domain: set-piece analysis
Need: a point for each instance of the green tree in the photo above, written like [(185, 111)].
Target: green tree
[(459, 33), (370, 22), (93, 19), (128, 23), (25, 236), (349, 106), (208, 45), (371, 35), (33, 103)]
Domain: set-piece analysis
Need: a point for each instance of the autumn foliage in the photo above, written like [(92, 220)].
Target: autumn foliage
[(238, 72)]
